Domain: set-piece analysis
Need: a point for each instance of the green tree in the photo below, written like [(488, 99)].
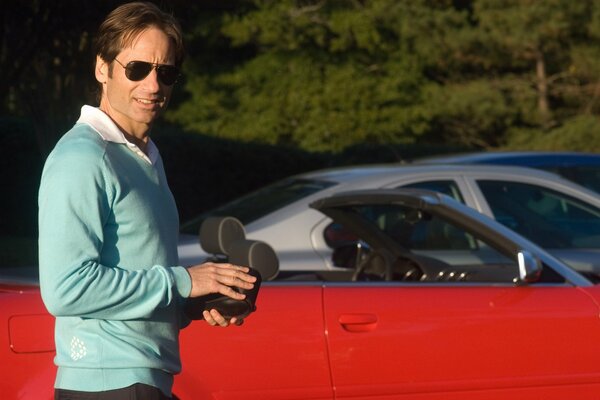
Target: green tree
[(47, 59), (46, 62), (323, 75), (530, 44)]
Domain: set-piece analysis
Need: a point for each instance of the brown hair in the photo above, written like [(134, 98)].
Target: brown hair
[(126, 22)]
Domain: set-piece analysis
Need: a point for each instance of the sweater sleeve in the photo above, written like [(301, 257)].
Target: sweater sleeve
[(74, 205)]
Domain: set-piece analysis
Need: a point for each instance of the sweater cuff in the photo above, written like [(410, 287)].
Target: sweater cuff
[(183, 281)]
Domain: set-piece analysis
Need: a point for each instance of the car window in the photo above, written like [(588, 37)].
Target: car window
[(416, 236), (448, 187), (587, 175), (438, 235), (433, 234), (261, 202), (547, 217)]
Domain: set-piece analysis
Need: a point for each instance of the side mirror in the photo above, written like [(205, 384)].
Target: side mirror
[(530, 268)]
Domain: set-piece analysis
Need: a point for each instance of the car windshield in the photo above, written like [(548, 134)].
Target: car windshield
[(433, 249), (261, 202)]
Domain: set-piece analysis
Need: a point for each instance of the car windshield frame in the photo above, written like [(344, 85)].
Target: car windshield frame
[(495, 235), (261, 202)]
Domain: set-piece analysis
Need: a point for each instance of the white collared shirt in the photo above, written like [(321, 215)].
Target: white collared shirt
[(110, 132)]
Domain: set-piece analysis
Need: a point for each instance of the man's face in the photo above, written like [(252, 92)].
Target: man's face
[(135, 105)]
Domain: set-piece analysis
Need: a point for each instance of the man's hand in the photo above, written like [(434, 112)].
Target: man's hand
[(211, 277), (214, 318)]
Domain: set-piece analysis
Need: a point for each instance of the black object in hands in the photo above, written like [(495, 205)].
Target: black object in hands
[(225, 305), (262, 261)]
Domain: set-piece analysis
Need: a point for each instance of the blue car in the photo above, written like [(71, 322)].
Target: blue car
[(583, 168)]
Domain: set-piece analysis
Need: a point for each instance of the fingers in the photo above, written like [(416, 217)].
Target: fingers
[(220, 278), (214, 318), (229, 269), (237, 276), (229, 292)]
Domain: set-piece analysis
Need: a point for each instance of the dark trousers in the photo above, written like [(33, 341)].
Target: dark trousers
[(139, 391)]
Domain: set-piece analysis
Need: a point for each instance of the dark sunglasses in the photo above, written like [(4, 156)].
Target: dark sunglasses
[(138, 70)]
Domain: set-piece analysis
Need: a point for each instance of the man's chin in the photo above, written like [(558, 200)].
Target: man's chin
[(148, 116)]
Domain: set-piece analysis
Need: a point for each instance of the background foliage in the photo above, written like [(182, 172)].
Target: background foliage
[(276, 87), (325, 75)]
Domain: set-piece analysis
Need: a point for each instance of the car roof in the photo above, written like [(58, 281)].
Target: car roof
[(381, 171), (523, 158)]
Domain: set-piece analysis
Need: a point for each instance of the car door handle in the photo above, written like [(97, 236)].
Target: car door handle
[(358, 322)]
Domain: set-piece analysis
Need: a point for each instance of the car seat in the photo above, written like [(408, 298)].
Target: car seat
[(224, 237)]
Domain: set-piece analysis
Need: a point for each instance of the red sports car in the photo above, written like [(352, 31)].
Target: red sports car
[(493, 316)]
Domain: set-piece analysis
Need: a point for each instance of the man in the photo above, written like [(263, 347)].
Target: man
[(108, 226)]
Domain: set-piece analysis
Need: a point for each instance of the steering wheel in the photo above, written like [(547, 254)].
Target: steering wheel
[(377, 264), (407, 269)]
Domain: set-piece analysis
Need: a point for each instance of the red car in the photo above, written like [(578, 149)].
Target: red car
[(491, 317)]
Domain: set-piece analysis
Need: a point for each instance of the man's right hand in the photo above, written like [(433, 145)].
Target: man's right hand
[(211, 277)]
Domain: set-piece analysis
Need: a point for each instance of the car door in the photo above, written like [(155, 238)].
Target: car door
[(278, 353), (464, 329), (441, 341), (26, 342)]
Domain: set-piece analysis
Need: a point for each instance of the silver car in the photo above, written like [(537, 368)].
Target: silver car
[(556, 214), (582, 168)]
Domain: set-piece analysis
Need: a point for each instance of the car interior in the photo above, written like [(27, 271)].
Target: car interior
[(400, 244)]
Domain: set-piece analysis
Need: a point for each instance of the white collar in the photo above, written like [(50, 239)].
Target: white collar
[(110, 132)]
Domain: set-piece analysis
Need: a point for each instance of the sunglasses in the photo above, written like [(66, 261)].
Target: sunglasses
[(138, 70)]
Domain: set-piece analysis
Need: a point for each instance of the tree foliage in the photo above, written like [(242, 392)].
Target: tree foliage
[(327, 75), (46, 61)]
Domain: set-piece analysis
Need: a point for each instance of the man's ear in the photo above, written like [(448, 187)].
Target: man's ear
[(101, 70)]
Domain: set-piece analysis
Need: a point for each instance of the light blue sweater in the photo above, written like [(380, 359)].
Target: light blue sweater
[(108, 229)]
